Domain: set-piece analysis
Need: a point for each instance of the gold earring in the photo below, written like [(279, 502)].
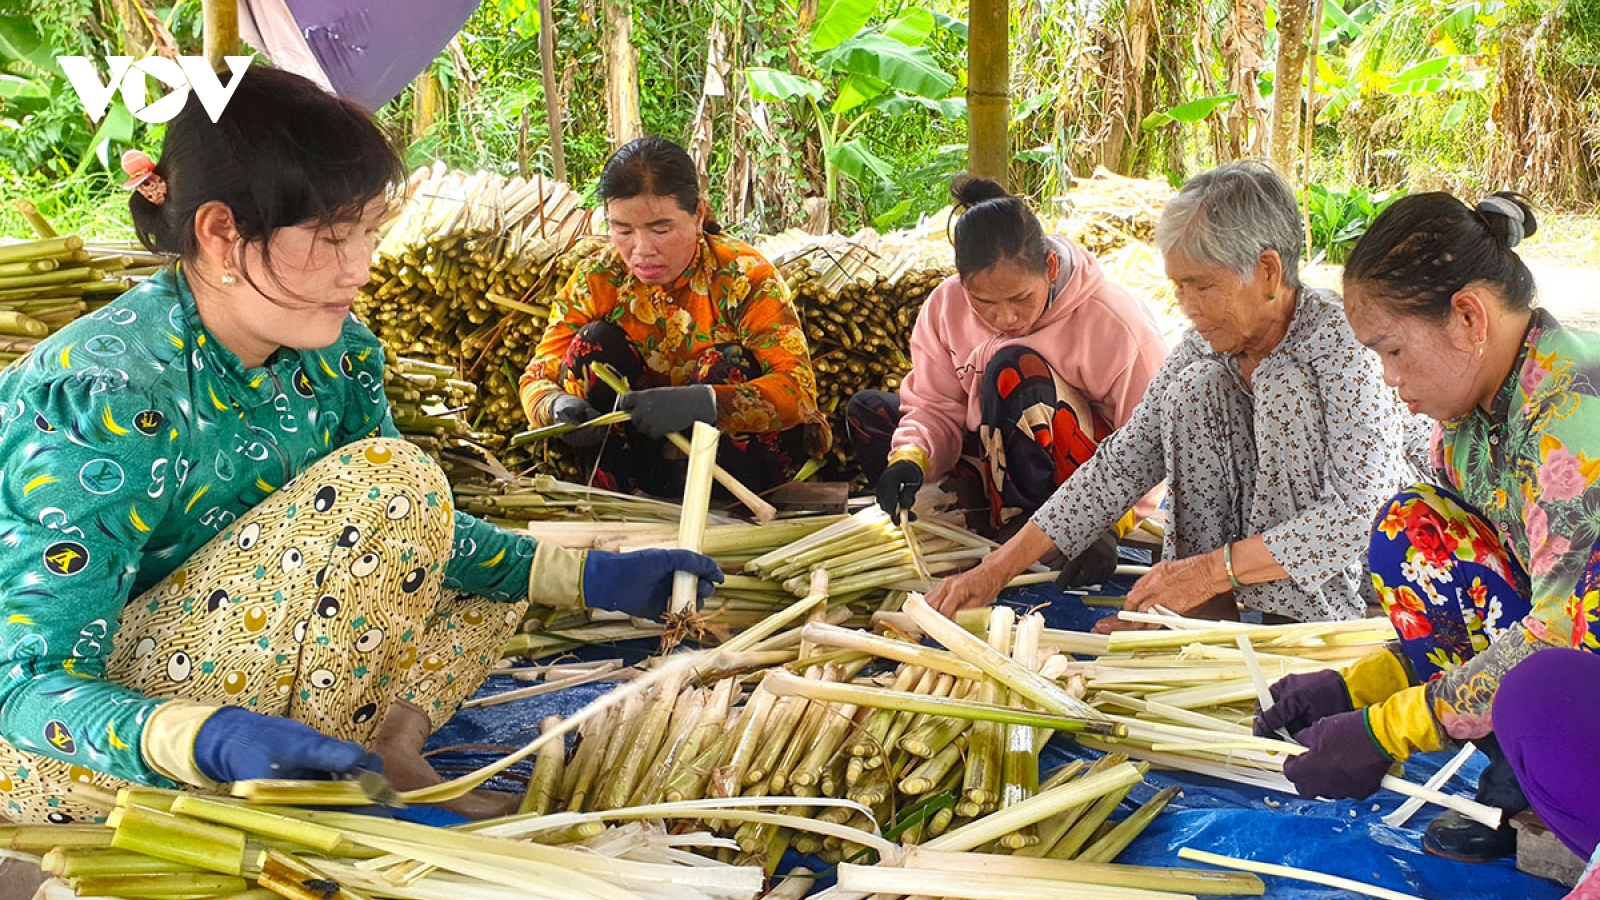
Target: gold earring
[(228, 280), (1480, 349)]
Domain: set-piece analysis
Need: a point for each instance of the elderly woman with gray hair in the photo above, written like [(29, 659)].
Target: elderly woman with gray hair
[(1270, 423)]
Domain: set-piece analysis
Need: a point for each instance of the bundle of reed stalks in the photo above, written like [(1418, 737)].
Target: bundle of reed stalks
[(765, 749), (463, 279), (1187, 693), (47, 283), (858, 298)]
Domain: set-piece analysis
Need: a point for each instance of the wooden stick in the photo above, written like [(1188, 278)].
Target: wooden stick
[(764, 511)]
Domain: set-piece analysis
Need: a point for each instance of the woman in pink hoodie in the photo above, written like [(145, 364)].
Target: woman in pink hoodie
[(1021, 365)]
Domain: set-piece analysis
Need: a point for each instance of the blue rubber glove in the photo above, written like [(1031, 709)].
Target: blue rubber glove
[(236, 744), (1342, 762), (640, 583), (1300, 701), (658, 412), (573, 410)]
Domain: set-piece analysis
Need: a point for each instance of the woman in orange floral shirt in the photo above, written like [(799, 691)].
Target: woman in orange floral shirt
[(701, 326)]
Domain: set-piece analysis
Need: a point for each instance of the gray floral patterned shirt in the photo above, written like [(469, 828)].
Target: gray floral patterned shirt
[(1342, 467)]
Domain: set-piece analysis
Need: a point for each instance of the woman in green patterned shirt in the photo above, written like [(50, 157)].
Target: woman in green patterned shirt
[(1495, 562)]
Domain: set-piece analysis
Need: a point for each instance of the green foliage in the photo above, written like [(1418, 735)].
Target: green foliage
[(877, 71), (1340, 217), (1187, 113)]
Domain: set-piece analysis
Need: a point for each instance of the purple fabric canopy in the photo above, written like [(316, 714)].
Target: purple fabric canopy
[(367, 50)]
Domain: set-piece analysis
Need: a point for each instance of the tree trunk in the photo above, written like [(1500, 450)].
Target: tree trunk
[(1284, 147), (1127, 101), (1244, 55), (622, 73), (554, 109), (988, 89), (715, 85), (427, 102), (221, 30)]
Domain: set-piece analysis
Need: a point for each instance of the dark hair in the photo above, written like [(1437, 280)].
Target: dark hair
[(995, 226), (655, 167), (1426, 247), (284, 152)]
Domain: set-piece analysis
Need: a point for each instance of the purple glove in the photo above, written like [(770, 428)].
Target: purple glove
[(1342, 760), (1299, 701), (236, 744), (640, 583), (658, 412)]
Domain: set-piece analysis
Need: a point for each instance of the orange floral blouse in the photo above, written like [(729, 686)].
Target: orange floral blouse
[(730, 294)]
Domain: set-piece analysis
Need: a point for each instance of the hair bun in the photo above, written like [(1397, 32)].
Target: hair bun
[(1508, 216), (970, 190)]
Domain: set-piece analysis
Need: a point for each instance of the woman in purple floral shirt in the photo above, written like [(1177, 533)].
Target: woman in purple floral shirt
[(1495, 563)]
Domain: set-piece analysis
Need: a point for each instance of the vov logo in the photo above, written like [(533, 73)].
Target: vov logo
[(179, 74)]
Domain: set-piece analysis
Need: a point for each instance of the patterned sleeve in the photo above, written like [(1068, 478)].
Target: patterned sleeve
[(1127, 465), (1364, 433), (488, 561), (74, 508), (785, 395), (1560, 504), (574, 307)]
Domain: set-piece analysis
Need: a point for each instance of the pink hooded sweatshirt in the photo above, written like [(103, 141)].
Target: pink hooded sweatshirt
[(1094, 335)]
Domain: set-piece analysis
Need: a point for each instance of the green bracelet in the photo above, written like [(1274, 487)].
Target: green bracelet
[(1227, 563)]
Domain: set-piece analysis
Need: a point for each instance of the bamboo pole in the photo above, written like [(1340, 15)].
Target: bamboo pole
[(221, 30), (552, 90), (988, 89)]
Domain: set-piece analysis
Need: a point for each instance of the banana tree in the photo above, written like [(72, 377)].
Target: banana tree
[(862, 70)]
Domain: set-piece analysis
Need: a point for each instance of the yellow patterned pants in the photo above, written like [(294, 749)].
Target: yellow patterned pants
[(326, 619)]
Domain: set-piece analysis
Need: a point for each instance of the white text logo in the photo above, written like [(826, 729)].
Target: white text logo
[(179, 74)]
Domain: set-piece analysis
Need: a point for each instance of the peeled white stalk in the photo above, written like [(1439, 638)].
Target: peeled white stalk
[(1029, 684), (1333, 881), (1406, 810), (692, 525), (893, 881)]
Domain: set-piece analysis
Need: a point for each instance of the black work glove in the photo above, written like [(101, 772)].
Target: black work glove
[(897, 489), (658, 412), (1095, 565), (573, 410)]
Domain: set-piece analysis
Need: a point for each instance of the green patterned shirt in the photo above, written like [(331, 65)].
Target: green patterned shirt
[(127, 441)]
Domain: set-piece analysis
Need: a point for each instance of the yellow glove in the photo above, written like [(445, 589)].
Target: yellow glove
[(1403, 724), (1375, 678)]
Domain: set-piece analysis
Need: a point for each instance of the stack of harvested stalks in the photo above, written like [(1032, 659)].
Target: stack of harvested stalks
[(872, 562), (945, 756), (1107, 211), (858, 298), (47, 283), (656, 737), (1187, 694), (463, 276)]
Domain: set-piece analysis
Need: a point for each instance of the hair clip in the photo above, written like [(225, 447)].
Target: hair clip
[(143, 176)]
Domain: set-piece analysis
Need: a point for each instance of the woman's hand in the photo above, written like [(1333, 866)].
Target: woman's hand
[(977, 587), (1182, 586)]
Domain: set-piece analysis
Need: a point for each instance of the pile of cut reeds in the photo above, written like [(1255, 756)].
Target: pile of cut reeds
[(1187, 693), (47, 283), (463, 278)]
